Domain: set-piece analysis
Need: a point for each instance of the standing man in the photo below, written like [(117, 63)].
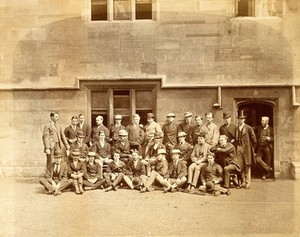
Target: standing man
[(54, 137), (187, 127), (197, 128), (71, 131), (115, 128), (85, 128), (102, 150), (211, 130), (152, 127), (246, 141), (97, 129), (228, 128), (170, 132), (264, 151), (136, 134)]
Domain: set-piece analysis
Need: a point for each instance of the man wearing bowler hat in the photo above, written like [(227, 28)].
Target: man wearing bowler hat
[(245, 142), (184, 147), (228, 128), (56, 178), (187, 127), (80, 145), (170, 130)]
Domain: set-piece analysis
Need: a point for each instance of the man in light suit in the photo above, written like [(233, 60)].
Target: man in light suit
[(54, 137), (245, 143), (85, 128), (211, 130), (56, 178)]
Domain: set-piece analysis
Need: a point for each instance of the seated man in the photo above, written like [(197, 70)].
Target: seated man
[(211, 177), (115, 173), (93, 173), (80, 145), (137, 170), (185, 148), (56, 178), (152, 151), (102, 149), (160, 171), (115, 128), (123, 146), (177, 172), (226, 157), (76, 170), (199, 160)]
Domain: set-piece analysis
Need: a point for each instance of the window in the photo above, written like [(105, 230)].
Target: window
[(259, 8), (111, 101), (103, 10)]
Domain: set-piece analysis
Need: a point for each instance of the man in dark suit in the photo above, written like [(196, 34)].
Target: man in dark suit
[(54, 137), (265, 138), (102, 149), (228, 128), (97, 129), (76, 169), (185, 148), (152, 150), (170, 130), (177, 172), (197, 128), (85, 128), (80, 145), (245, 143), (187, 127), (136, 134), (115, 128), (56, 178), (123, 146), (71, 131)]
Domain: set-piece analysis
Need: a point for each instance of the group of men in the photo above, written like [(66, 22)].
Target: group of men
[(196, 154)]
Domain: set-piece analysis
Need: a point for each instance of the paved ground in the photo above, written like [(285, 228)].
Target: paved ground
[(268, 208)]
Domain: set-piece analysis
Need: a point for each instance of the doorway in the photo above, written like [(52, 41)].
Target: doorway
[(254, 110)]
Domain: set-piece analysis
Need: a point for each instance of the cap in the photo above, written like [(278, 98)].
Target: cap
[(150, 115), (118, 117), (171, 115), (176, 151), (92, 153), (188, 114), (123, 132), (181, 134), (161, 151)]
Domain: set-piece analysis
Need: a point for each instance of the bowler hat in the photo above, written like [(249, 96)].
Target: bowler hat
[(161, 151), (188, 114), (123, 132), (210, 186), (176, 151), (226, 115), (241, 114), (171, 115), (150, 115), (80, 134), (158, 135), (75, 153), (58, 153), (181, 134), (92, 153), (136, 182), (118, 117)]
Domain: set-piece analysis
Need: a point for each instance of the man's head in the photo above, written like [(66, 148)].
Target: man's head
[(118, 119), (201, 138), (264, 121), (188, 116), (58, 155), (135, 155), (198, 120), (116, 156), (171, 117), (181, 137), (54, 116), (91, 156), (99, 120), (223, 140), (74, 120), (81, 118), (150, 118), (227, 118), (175, 155), (123, 135), (136, 119), (101, 136), (209, 117), (161, 154), (211, 158)]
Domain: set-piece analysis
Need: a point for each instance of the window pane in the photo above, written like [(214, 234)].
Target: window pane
[(121, 9), (121, 99), (99, 10), (143, 99), (143, 9), (99, 99), (143, 115)]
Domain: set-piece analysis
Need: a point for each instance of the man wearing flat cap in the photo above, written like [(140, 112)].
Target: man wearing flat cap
[(228, 128), (115, 128), (151, 127), (93, 173), (76, 169), (80, 145), (210, 129), (187, 127), (56, 178), (170, 130), (245, 142), (184, 147)]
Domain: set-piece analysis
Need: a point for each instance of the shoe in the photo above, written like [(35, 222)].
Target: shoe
[(48, 192), (167, 189), (115, 188), (87, 188), (57, 192), (247, 186), (143, 190), (264, 177), (81, 189), (151, 189), (269, 173), (217, 193), (228, 192), (173, 190), (107, 189)]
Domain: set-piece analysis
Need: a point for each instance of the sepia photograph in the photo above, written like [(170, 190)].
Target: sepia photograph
[(149, 118)]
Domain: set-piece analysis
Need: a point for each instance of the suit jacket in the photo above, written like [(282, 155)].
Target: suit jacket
[(247, 139), (151, 129), (177, 172), (228, 131), (86, 129), (170, 131), (212, 133), (137, 171), (52, 135), (72, 169), (62, 175), (114, 131), (136, 135), (268, 133), (123, 148), (188, 129), (116, 168), (161, 166), (83, 149), (200, 152), (195, 131), (92, 171), (186, 150), (96, 130), (212, 173), (70, 133), (102, 152), (152, 152), (227, 155)]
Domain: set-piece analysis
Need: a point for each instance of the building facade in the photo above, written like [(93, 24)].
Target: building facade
[(139, 56)]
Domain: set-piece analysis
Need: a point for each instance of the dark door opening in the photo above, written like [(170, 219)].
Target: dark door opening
[(254, 111)]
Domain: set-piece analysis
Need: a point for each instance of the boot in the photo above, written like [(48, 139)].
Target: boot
[(76, 189), (80, 189)]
